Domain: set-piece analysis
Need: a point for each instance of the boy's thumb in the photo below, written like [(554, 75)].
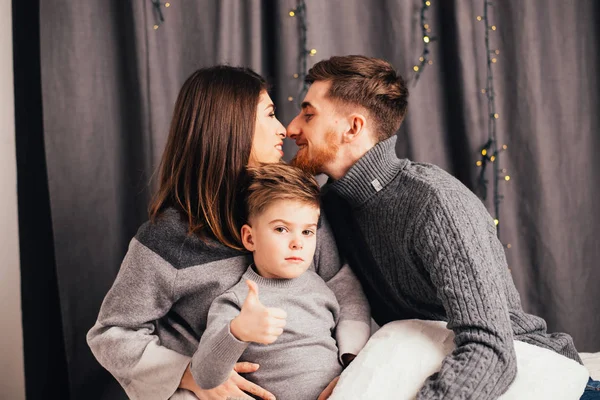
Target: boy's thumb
[(252, 290)]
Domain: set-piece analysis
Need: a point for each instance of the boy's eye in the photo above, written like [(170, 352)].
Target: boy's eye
[(280, 229), (308, 232)]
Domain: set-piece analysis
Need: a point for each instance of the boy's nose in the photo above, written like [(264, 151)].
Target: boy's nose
[(296, 244)]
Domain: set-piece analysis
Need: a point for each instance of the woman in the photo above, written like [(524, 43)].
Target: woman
[(190, 251)]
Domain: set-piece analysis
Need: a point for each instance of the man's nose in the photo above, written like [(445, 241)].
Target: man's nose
[(293, 130)]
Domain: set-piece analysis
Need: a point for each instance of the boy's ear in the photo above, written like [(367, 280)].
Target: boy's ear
[(247, 237)]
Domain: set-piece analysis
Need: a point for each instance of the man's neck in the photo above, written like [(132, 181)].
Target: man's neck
[(347, 157)]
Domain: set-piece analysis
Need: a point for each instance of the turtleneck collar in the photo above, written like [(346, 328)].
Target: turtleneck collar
[(371, 173)]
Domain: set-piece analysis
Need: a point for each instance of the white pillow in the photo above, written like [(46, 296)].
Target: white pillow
[(401, 355)]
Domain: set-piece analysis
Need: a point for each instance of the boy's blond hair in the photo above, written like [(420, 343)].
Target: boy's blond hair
[(274, 182)]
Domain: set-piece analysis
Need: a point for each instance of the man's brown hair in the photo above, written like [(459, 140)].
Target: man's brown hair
[(270, 183), (371, 83), (207, 151)]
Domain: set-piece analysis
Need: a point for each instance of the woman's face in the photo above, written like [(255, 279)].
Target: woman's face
[(267, 145)]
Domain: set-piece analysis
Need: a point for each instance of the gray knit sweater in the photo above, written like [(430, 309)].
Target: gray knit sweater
[(424, 246), (300, 363), (153, 317)]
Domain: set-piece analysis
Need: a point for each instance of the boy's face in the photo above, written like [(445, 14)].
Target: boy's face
[(282, 239)]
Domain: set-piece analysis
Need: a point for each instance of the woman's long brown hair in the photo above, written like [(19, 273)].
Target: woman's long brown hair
[(208, 149)]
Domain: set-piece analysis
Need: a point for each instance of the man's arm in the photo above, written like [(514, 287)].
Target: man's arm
[(454, 240), (354, 324), (219, 349), (123, 339)]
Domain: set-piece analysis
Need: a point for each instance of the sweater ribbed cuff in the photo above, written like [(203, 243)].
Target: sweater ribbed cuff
[(351, 337)]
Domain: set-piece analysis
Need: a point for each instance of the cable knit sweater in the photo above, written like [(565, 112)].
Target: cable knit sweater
[(424, 246)]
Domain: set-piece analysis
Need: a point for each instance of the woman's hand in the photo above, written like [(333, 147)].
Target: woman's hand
[(234, 387), (329, 389)]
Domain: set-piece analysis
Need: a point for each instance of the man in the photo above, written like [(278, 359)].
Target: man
[(421, 243)]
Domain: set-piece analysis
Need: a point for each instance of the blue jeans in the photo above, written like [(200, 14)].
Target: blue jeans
[(592, 390)]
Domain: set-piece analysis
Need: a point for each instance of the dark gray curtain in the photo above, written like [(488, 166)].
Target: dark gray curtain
[(109, 82)]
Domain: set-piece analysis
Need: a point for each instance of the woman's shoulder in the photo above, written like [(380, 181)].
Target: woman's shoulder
[(169, 237)]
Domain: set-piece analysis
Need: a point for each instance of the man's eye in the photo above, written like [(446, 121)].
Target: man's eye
[(308, 116)]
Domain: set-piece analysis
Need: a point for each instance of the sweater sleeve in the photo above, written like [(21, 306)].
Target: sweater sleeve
[(218, 350), (353, 327), (453, 241), (123, 340)]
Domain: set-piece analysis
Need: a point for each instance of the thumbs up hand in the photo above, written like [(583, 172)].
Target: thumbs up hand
[(257, 323)]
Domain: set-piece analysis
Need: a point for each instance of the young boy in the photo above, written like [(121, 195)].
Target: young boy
[(281, 315)]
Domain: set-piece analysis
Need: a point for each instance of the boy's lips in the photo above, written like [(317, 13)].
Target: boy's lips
[(294, 259)]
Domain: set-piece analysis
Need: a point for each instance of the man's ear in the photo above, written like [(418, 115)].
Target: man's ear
[(356, 127), (247, 237)]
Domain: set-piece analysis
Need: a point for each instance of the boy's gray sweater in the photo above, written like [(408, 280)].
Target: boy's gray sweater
[(153, 317), (300, 363), (424, 246)]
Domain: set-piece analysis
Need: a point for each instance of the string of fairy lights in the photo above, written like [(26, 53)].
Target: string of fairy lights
[(299, 12), (424, 59), (490, 152), (159, 18)]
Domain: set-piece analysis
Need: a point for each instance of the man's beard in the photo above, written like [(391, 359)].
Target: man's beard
[(316, 162)]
